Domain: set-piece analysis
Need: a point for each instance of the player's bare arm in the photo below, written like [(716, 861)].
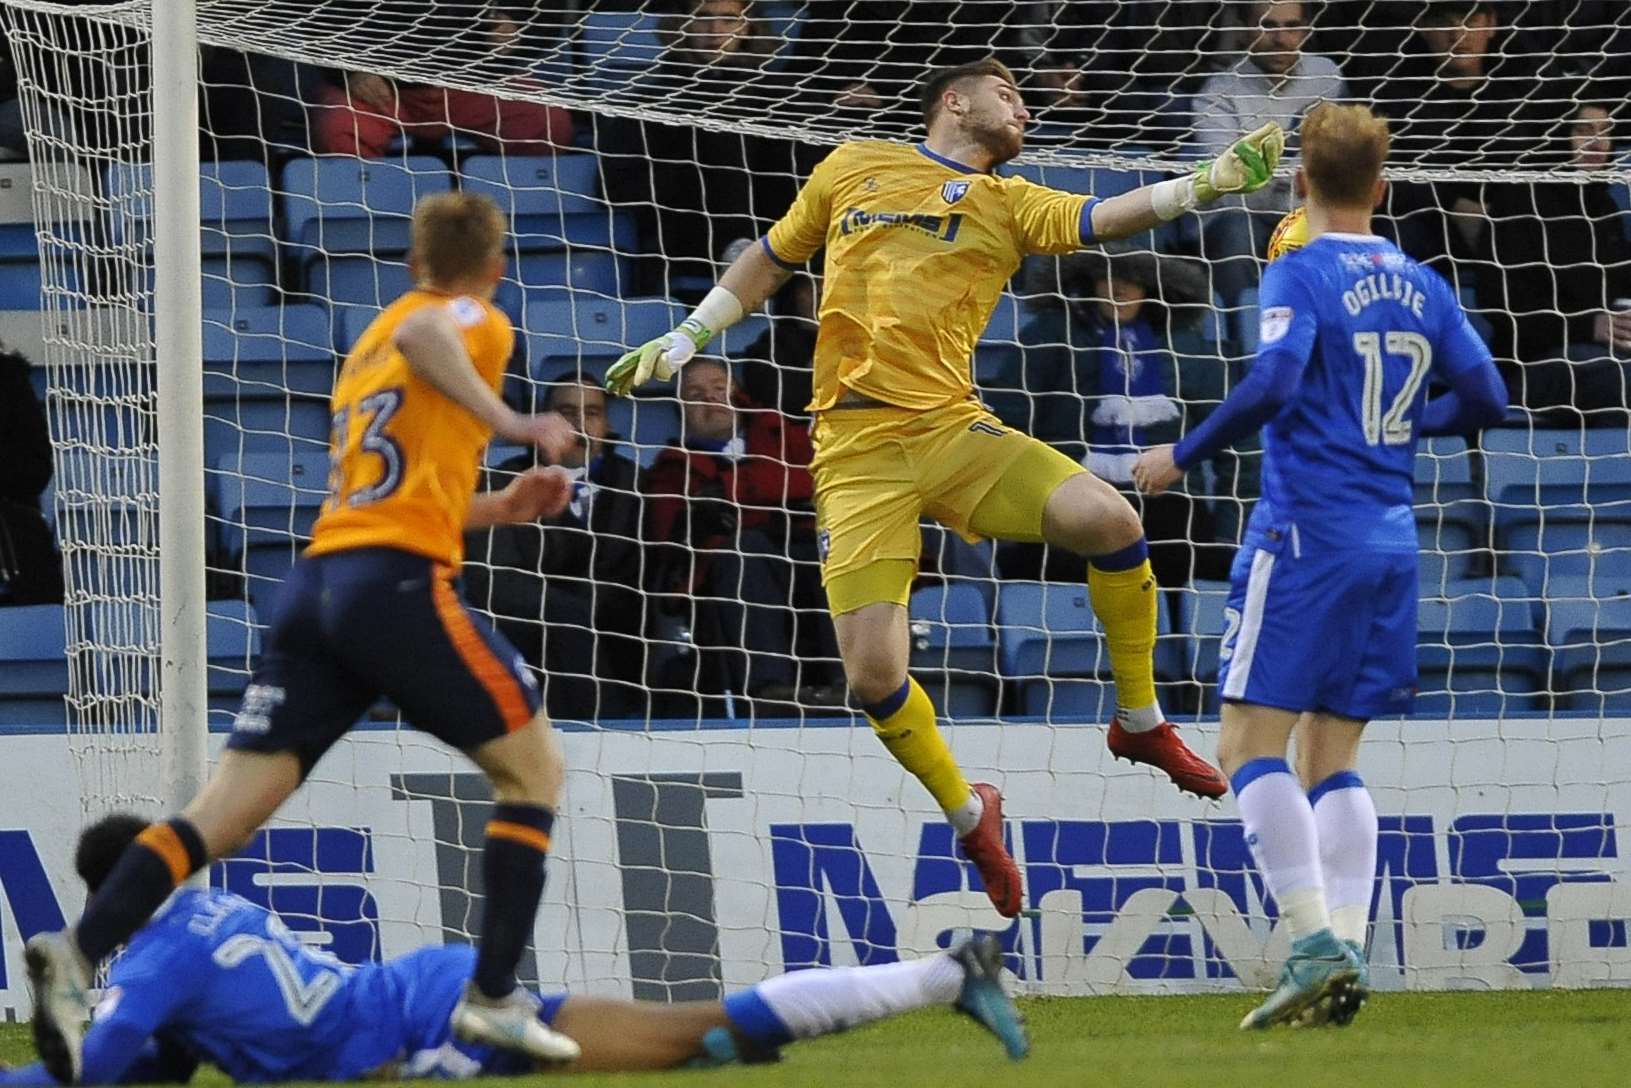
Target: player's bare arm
[(430, 341), (536, 493)]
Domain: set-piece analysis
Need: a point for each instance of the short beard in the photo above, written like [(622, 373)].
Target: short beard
[(999, 144)]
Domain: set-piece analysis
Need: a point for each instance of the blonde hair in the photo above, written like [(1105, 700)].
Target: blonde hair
[(456, 236), (1343, 149)]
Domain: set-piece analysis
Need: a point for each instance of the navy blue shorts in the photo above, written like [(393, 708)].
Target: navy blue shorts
[(354, 626), (1318, 629)]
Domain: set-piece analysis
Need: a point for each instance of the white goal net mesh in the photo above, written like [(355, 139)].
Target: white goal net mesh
[(728, 814)]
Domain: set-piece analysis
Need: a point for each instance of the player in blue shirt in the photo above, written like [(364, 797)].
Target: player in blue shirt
[(215, 978), (1321, 620)]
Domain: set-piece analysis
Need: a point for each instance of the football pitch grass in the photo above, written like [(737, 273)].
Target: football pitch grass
[(1446, 1040)]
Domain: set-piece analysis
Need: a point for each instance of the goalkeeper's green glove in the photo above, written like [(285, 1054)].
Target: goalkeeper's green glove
[(658, 358), (1245, 168)]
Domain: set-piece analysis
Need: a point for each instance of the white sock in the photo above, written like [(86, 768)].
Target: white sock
[(1345, 817), (1140, 719), (819, 1002), (1284, 841), (966, 816)]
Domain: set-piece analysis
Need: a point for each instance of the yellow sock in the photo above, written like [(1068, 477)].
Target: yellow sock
[(1125, 602), (908, 730)]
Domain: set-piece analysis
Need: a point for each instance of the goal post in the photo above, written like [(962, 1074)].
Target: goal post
[(178, 315), (720, 827)]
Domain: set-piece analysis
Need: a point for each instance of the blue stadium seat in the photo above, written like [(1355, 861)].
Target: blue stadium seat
[(267, 496), (357, 281), (34, 650), (1479, 651), (348, 322), (232, 643), (563, 337), (1047, 634), (1527, 471), (260, 352), (589, 272), (234, 205), (953, 651), (268, 502), (1557, 546), (33, 665), (1589, 629), (21, 285), (270, 426), (1448, 551), (553, 201), (340, 204)]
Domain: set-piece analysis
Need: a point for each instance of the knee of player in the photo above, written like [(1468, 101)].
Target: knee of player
[(873, 683)]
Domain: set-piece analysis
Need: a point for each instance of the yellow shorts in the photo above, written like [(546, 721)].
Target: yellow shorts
[(879, 470)]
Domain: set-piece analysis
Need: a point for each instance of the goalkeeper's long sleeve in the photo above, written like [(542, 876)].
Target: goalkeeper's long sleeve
[(33, 1076)]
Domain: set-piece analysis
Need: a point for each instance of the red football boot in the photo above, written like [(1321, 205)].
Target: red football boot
[(1162, 749), (983, 846)]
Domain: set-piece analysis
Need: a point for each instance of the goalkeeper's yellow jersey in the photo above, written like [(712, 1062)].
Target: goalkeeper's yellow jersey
[(918, 250)]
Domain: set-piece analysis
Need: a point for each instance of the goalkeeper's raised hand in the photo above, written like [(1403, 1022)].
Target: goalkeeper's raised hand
[(658, 358), (1247, 166)]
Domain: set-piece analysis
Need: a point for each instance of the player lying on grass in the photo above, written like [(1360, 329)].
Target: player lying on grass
[(920, 240), (372, 609), (1322, 605), (214, 978)]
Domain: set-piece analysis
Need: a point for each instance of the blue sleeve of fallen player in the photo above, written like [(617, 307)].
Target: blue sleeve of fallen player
[(33, 1075)]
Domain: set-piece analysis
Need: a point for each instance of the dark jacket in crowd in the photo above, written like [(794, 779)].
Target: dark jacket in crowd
[(700, 497), (30, 568)]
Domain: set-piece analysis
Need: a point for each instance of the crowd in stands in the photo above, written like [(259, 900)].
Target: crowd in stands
[(695, 569)]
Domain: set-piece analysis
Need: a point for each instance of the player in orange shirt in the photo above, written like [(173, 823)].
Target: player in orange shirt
[(919, 241), (372, 610)]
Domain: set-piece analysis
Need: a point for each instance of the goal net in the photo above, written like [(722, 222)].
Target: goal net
[(727, 815)]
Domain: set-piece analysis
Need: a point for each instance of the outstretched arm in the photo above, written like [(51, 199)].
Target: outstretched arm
[(430, 340), (1245, 167), (752, 277)]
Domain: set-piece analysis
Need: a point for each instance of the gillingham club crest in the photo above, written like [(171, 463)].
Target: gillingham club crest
[(952, 191)]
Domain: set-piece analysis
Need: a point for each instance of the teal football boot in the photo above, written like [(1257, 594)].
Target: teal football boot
[(1319, 967), (983, 999)]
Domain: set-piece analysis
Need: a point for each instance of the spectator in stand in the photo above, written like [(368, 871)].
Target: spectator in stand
[(1101, 381), (253, 106), (1459, 100), (30, 568), (1555, 280), (566, 591), (1274, 81), (732, 536), (694, 192), (360, 113), (1139, 60), (13, 138)]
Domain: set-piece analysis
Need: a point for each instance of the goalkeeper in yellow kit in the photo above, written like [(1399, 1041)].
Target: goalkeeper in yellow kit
[(920, 240)]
